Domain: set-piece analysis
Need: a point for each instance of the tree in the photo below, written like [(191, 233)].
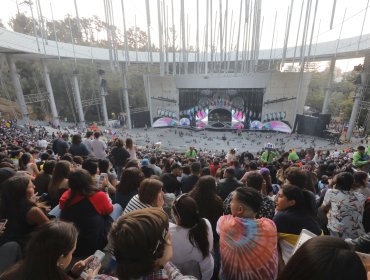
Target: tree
[(136, 39), (22, 24)]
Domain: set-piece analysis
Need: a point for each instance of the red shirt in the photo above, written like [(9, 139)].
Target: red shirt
[(99, 200)]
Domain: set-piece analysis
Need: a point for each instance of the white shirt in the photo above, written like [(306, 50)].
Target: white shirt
[(184, 252), (98, 147)]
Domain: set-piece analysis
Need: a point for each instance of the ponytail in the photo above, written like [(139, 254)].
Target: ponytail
[(198, 237)]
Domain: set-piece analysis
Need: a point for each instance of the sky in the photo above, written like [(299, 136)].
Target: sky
[(351, 13)]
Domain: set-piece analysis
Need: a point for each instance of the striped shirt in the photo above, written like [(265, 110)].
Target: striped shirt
[(135, 204)]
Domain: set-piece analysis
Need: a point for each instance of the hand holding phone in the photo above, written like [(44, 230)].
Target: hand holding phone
[(93, 264)]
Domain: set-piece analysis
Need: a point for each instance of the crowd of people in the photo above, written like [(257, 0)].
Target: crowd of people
[(178, 215)]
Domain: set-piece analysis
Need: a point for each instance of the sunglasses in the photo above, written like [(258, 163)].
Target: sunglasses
[(177, 201), (161, 241)]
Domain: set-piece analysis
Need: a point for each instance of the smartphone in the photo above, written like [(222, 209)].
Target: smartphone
[(94, 263), (2, 224)]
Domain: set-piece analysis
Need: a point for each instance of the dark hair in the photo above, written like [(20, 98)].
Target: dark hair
[(61, 171), (138, 241), (97, 134), (103, 165), (78, 160), (324, 257), (119, 142), (67, 157), (195, 167), (361, 148), (50, 241), (76, 139), (24, 160), (344, 181), (359, 178), (129, 143), (255, 180), (153, 160), (296, 176), (301, 197), (81, 183), (249, 197), (49, 166), (149, 190), (130, 180), (132, 163), (205, 171), (89, 134), (253, 165), (14, 197), (186, 209), (91, 165)]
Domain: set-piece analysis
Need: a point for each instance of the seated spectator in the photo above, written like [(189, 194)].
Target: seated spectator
[(128, 186), (228, 184), (78, 148), (119, 156), (157, 170), (292, 216), (324, 257), (105, 167), (26, 163), (248, 246), (361, 159), (255, 181), (19, 208), (150, 195), (89, 209), (192, 239), (142, 246), (48, 254), (345, 208), (361, 183), (43, 179), (59, 181)]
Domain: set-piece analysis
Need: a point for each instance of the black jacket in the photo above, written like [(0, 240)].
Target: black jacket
[(226, 186)]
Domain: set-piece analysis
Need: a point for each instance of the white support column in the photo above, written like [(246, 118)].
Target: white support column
[(125, 96), (149, 98), (18, 89), (78, 102), (49, 89), (102, 96), (328, 89), (356, 105)]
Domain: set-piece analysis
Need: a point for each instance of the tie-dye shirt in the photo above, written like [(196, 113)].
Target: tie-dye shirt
[(248, 248)]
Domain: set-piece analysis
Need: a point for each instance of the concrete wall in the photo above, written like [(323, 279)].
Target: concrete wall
[(277, 85)]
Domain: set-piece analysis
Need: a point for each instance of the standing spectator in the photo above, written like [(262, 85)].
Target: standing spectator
[(248, 246), (361, 159), (119, 156), (131, 148), (78, 148), (43, 179), (98, 146), (188, 183), (228, 184), (26, 163), (60, 145), (191, 153), (214, 166), (148, 171), (170, 182), (88, 139), (239, 171), (231, 156), (157, 170)]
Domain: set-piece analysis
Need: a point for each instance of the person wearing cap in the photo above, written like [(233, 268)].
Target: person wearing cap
[(147, 170), (170, 182), (361, 159), (228, 184), (188, 183)]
